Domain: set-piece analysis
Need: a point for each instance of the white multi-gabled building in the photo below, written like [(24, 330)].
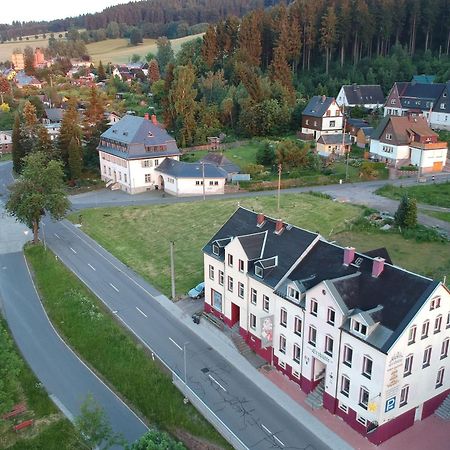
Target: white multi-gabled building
[(373, 336)]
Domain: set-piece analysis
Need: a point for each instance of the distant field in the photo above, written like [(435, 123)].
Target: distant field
[(118, 51), (7, 48)]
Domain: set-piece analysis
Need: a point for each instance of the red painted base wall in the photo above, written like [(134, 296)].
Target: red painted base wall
[(430, 406)]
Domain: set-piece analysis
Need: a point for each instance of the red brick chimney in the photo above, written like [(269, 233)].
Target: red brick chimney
[(260, 219), (146, 117), (279, 226), (154, 119), (349, 255), (378, 266)]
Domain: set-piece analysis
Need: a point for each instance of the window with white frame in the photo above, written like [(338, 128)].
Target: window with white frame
[(230, 260), (259, 271), (447, 325), (125, 178), (296, 374), (359, 327), (313, 307), (345, 385), (266, 303), (331, 316), (211, 272), (241, 265), (252, 321), (435, 303), (293, 293), (312, 336), (407, 370), (253, 296), (343, 407), (220, 277), (282, 364), (425, 329), (282, 347), (332, 123), (444, 348), (329, 344), (215, 249), (361, 420), (230, 284), (348, 355), (404, 395), (296, 353), (367, 367), (440, 377), (148, 178), (437, 324), (388, 136), (426, 357), (363, 397), (298, 325), (240, 290), (283, 317), (412, 335)]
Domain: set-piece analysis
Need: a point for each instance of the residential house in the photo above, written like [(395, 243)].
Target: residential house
[(22, 80), (53, 115), (18, 61), (112, 117), (322, 115), (5, 142), (440, 115), (53, 130), (369, 96), (131, 150), (363, 137), (408, 140), (352, 126), (369, 339), (333, 144), (219, 160), (181, 178)]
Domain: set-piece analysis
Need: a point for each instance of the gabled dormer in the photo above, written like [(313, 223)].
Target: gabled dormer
[(363, 323), (218, 246), (263, 266)]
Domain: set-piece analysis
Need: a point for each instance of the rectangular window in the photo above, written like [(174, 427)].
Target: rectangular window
[(313, 307), (230, 260), (367, 367), (435, 303), (241, 265), (312, 336), (296, 355), (230, 284), (125, 178), (211, 272), (215, 249), (252, 321), (282, 364), (343, 407), (283, 317), (448, 321), (156, 162), (361, 420), (404, 395), (359, 327), (426, 357), (363, 397), (266, 303), (444, 348), (348, 355), (408, 365), (345, 385), (332, 123), (217, 300), (293, 293), (259, 271), (240, 289), (253, 296), (220, 277), (331, 316), (440, 378), (298, 326), (388, 136), (148, 178), (437, 324), (412, 335), (296, 374), (329, 344), (282, 344), (211, 183), (425, 328)]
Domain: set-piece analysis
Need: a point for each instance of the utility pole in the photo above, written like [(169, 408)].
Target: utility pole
[(279, 184), (203, 180), (172, 268), (343, 142)]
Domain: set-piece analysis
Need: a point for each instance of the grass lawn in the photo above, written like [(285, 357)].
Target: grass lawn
[(139, 236), (6, 157), (118, 51), (439, 215), (7, 48), (110, 350), (431, 194), (50, 430)]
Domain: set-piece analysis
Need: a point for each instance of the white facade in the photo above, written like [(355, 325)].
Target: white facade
[(440, 121), (396, 154), (342, 100), (429, 159), (189, 186)]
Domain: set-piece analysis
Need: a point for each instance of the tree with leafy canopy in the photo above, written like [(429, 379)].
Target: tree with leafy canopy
[(4, 87), (135, 36), (164, 54), (75, 159), (406, 214), (101, 74), (38, 191), (156, 440), (70, 128), (44, 143), (153, 71), (17, 149), (265, 155), (94, 428), (28, 60)]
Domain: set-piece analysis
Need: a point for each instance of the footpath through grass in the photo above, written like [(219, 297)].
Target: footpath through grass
[(109, 349), (437, 194), (50, 431)]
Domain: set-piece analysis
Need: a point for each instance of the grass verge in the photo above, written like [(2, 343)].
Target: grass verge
[(108, 348), (430, 194), (439, 215)]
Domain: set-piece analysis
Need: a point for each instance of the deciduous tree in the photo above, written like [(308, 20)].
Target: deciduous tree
[(101, 74), (17, 149), (164, 54), (153, 71)]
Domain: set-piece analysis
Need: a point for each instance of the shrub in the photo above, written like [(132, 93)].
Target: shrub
[(406, 215), (254, 169)]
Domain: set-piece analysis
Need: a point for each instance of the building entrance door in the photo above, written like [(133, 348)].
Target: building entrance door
[(319, 369), (235, 313)]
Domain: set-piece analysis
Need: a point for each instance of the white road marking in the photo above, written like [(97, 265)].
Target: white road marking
[(142, 312), (280, 442), (57, 236), (265, 428), (92, 267), (72, 250), (117, 290), (173, 342), (275, 437), (218, 384)]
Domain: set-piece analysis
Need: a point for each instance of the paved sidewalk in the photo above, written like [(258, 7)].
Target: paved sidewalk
[(432, 433)]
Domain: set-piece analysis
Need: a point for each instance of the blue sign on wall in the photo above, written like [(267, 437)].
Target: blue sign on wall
[(390, 404)]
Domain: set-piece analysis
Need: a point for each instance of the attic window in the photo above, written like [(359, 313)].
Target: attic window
[(259, 271), (215, 249), (294, 294), (359, 327), (150, 134)]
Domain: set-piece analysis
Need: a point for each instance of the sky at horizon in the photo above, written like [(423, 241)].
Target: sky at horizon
[(32, 10)]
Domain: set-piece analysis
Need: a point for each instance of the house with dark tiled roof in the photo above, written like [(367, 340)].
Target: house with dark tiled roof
[(130, 151), (364, 338), (369, 96), (53, 115), (220, 160), (405, 140), (322, 115), (333, 144)]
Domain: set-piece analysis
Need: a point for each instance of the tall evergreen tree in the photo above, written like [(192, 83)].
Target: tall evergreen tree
[(280, 70), (165, 103), (101, 74), (250, 38), (210, 48), (164, 54), (328, 34), (153, 71), (17, 149), (75, 159), (70, 128), (44, 143)]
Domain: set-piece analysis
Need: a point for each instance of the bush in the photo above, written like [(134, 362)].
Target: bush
[(265, 156), (423, 234), (406, 215), (254, 169)]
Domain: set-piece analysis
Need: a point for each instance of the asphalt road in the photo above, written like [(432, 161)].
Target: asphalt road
[(63, 374)]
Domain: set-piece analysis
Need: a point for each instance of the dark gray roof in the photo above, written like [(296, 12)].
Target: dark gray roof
[(54, 114), (423, 78), (218, 159), (318, 106), (358, 94), (368, 131), (334, 139), (443, 102), (381, 252), (179, 169), (419, 95), (253, 244), (356, 122)]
